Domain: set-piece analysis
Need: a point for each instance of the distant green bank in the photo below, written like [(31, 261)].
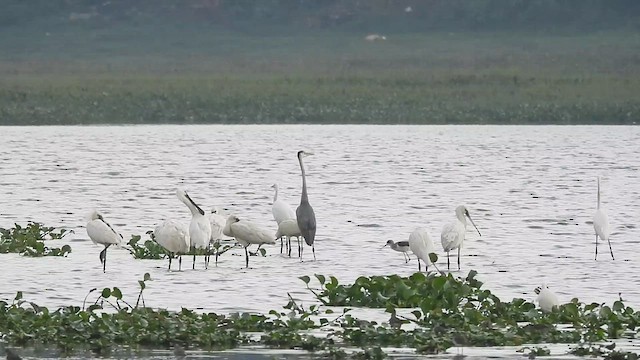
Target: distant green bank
[(329, 79)]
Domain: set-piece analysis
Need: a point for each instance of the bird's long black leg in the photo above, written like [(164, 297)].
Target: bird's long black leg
[(313, 248), (180, 263), (246, 253), (448, 266), (170, 257), (299, 247), (289, 242), (281, 243), (458, 258), (194, 259), (610, 249), (596, 258), (301, 252), (419, 266)]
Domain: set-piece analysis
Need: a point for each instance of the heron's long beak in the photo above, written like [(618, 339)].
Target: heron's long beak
[(474, 224)]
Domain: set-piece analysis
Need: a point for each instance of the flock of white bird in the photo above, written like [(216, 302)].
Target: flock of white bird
[(207, 230), (453, 235)]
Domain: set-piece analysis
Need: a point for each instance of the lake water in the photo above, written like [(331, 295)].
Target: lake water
[(530, 189)]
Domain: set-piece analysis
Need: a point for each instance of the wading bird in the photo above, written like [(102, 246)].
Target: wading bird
[(546, 298), (289, 228), (100, 232), (601, 224), (304, 213), (400, 246), (421, 245), (281, 211), (174, 237), (247, 233), (199, 228), (452, 235)]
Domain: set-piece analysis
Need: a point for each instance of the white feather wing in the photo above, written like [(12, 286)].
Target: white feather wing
[(452, 235), (218, 223), (200, 232), (282, 211), (420, 244), (100, 233), (247, 233), (601, 224), (288, 227), (173, 236)]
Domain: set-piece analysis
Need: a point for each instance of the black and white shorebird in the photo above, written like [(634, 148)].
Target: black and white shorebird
[(400, 246)]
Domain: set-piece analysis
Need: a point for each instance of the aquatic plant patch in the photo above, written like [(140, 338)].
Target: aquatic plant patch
[(30, 240)]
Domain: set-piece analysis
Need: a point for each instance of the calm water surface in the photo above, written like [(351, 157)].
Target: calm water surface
[(530, 189)]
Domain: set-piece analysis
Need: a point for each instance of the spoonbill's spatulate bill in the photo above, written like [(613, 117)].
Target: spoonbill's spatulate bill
[(601, 225), (304, 213), (100, 232), (452, 236)]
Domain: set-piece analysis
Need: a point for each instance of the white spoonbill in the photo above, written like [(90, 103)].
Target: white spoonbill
[(174, 237), (400, 246), (421, 245), (601, 224), (199, 228), (304, 213), (289, 228), (218, 219), (100, 232), (247, 233), (546, 298), (452, 235), (281, 211)]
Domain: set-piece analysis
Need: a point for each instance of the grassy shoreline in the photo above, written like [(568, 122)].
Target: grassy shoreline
[(447, 79)]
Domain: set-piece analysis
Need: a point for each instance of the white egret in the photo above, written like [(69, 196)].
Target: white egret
[(100, 232), (218, 219), (199, 228), (289, 228), (247, 233), (452, 236), (281, 211), (601, 224), (400, 246), (174, 237), (421, 245), (304, 213), (546, 298)]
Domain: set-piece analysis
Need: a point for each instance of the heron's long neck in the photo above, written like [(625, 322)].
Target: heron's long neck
[(304, 196), (598, 192), (275, 197)]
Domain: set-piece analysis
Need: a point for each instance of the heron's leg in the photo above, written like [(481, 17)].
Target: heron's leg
[(301, 252), (596, 258), (458, 257), (281, 243), (448, 266), (170, 257), (289, 245), (299, 247), (180, 263), (313, 248), (419, 266), (104, 263), (194, 258), (246, 254), (611, 250)]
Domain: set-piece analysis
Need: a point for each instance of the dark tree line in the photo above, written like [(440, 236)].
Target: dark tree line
[(403, 15)]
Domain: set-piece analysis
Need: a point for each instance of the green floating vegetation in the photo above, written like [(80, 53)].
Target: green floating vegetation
[(443, 312), (151, 250), (30, 240)]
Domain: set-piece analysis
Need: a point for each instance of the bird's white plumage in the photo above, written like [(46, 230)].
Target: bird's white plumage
[(452, 235), (247, 232), (288, 228), (547, 299), (100, 232), (200, 227), (421, 245), (281, 210), (601, 224), (173, 236), (218, 220)]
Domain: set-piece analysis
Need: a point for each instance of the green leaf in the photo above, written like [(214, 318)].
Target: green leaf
[(305, 278), (320, 278), (433, 257), (117, 293), (147, 277), (106, 292), (18, 296)]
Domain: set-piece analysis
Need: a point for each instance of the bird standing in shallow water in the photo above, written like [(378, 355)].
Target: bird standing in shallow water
[(174, 237), (304, 213), (421, 245), (247, 233), (601, 225), (100, 232), (546, 298), (400, 246), (452, 236), (199, 228), (281, 211)]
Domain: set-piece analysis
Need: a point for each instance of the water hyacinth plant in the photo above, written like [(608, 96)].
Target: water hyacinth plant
[(30, 240), (428, 313)]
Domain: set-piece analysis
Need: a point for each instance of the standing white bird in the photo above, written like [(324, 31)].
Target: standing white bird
[(400, 246), (421, 245), (199, 228), (281, 211), (601, 224), (100, 232), (304, 213), (452, 235), (174, 237), (289, 228), (546, 298), (218, 219), (247, 233)]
